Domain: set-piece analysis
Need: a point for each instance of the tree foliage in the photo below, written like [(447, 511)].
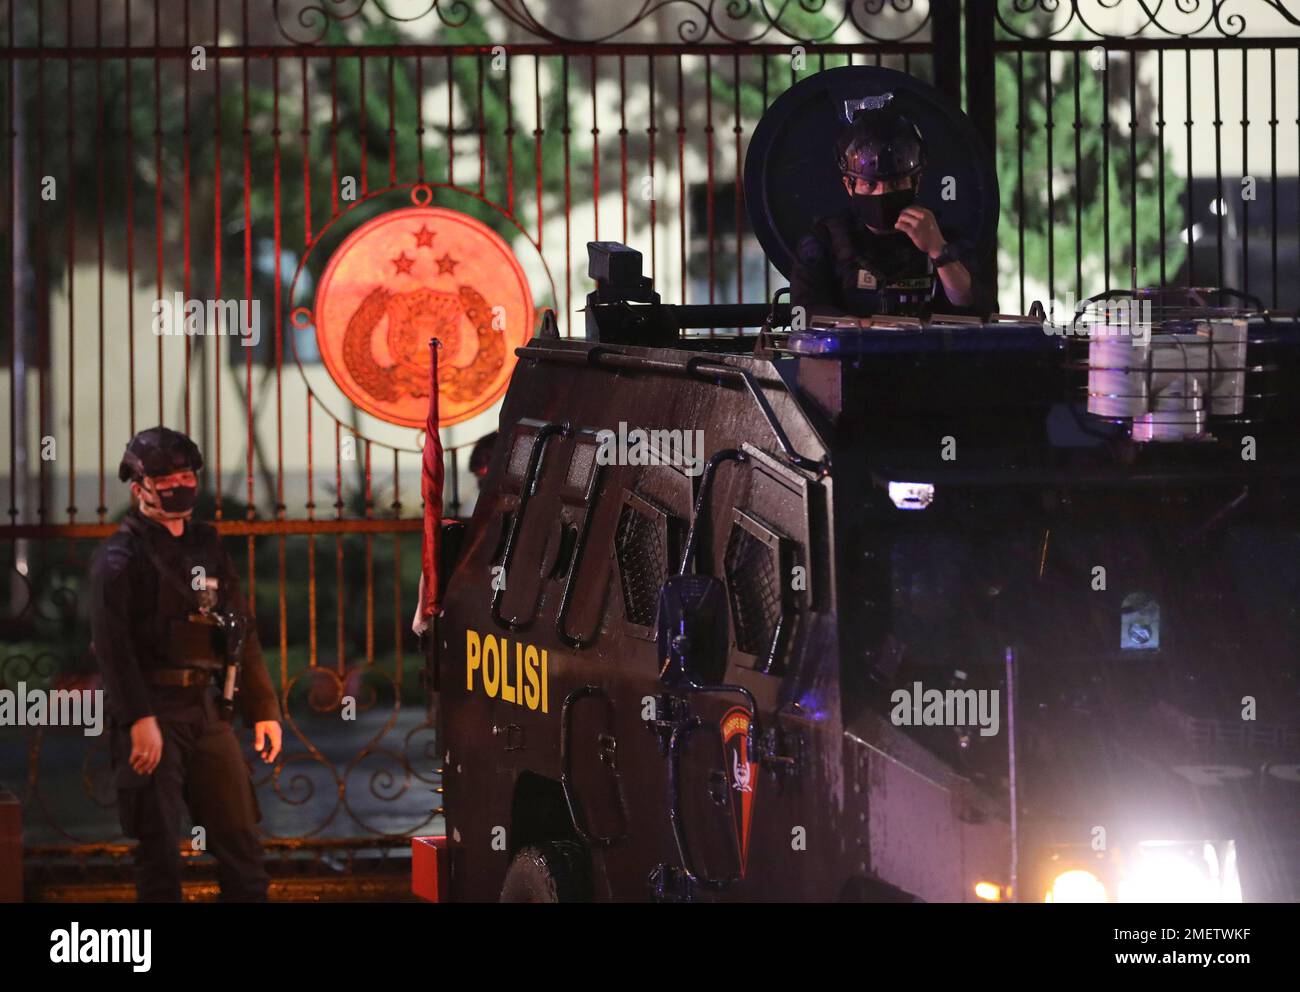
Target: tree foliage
[(1076, 217)]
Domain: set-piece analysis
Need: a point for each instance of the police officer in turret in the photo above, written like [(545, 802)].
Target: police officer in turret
[(882, 253), (169, 624)]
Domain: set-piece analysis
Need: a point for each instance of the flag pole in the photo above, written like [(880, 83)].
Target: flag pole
[(432, 476)]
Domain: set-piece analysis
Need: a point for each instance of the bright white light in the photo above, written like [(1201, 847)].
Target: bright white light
[(1166, 878), (1231, 881), (1217, 207), (1169, 872), (988, 891), (911, 495), (1196, 233), (1076, 885)]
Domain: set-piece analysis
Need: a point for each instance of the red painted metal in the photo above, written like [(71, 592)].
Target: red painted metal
[(70, 135), (537, 146), (622, 138), (432, 479), (203, 210), (11, 848), (681, 178), (568, 193), (482, 131), (429, 878), (510, 145), (708, 159)]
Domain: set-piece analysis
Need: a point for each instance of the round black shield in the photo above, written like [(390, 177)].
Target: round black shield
[(791, 177)]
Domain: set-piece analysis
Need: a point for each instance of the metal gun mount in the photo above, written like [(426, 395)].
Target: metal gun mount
[(625, 309)]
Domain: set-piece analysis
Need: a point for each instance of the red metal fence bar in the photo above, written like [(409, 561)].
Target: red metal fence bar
[(267, 498), (336, 120), (380, 50), (244, 56)]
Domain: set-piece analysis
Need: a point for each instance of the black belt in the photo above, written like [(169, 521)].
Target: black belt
[(179, 677)]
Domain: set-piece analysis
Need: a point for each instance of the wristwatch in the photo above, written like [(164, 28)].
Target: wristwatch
[(946, 256)]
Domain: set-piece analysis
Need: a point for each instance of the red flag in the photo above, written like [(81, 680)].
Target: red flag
[(431, 479)]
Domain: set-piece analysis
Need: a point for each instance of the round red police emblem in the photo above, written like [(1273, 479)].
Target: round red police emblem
[(414, 274)]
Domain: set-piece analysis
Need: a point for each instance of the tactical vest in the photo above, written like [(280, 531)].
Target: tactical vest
[(185, 630), (865, 288)]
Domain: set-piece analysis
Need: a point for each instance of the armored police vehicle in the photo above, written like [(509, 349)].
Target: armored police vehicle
[(891, 609)]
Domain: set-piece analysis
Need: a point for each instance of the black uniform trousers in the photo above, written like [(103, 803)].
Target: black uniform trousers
[(203, 770)]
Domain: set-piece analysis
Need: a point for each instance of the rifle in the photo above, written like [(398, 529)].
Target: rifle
[(234, 629)]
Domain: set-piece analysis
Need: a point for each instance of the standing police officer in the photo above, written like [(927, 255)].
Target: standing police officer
[(881, 253), (167, 617)]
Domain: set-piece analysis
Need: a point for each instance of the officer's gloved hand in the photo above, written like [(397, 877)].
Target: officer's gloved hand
[(146, 745)]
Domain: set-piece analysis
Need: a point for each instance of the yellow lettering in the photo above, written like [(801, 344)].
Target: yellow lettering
[(519, 674), (531, 695), (491, 666), (490, 657), (507, 690), (473, 647)]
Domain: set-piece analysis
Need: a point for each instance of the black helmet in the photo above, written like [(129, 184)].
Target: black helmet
[(158, 451), (880, 145)]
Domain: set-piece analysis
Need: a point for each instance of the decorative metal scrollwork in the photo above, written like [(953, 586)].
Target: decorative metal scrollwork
[(370, 780), (1038, 20), (313, 19), (699, 21)]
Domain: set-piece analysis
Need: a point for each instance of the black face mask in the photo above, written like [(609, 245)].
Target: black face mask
[(174, 499), (881, 210)]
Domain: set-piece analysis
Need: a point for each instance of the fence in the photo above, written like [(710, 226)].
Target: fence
[(218, 149)]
